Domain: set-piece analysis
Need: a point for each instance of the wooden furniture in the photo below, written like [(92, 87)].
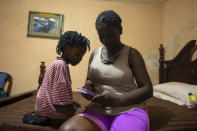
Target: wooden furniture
[(165, 115), (181, 68), (42, 72)]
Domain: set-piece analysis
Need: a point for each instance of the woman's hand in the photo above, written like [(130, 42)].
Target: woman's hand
[(88, 97), (109, 99), (89, 86)]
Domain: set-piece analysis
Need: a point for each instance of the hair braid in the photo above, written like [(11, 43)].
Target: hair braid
[(109, 17), (70, 39)]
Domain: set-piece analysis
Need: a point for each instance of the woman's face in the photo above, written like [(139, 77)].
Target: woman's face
[(108, 35)]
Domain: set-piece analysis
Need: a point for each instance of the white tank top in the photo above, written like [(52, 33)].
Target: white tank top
[(117, 77)]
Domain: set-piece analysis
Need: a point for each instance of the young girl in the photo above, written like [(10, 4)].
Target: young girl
[(117, 75), (54, 97)]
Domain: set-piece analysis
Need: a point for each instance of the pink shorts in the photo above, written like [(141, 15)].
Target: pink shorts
[(135, 120)]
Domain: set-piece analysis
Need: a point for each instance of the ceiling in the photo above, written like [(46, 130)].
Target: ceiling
[(154, 2)]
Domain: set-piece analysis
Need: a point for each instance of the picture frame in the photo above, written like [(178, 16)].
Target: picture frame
[(45, 25)]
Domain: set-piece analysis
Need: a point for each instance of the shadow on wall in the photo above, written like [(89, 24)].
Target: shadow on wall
[(152, 64)]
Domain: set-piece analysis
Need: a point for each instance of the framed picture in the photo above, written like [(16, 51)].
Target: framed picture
[(46, 25)]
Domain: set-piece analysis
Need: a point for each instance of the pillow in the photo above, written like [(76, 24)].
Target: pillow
[(168, 98), (175, 92)]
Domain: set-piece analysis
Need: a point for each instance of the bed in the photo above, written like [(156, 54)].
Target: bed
[(169, 109), (164, 115)]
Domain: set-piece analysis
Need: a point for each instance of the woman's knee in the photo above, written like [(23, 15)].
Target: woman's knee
[(78, 123), (65, 127), (136, 120)]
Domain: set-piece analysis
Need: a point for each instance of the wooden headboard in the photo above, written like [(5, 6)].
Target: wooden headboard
[(181, 68)]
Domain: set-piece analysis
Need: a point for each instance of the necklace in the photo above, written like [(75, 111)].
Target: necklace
[(112, 59)]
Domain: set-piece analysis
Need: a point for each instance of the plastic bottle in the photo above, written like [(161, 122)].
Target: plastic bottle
[(193, 100)]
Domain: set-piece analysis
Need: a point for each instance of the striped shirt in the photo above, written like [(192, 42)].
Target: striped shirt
[(55, 89)]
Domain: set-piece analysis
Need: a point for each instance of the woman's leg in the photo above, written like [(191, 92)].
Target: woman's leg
[(136, 120), (78, 123)]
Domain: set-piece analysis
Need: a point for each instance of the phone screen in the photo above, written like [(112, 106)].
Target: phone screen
[(85, 91)]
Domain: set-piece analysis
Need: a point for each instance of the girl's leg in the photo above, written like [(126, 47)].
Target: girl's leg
[(135, 120)]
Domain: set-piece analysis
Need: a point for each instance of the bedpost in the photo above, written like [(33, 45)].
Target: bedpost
[(161, 64), (42, 72)]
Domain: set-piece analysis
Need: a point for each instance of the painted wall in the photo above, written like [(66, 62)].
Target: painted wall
[(179, 25), (21, 55)]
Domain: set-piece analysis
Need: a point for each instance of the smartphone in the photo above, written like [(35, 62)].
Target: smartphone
[(86, 92)]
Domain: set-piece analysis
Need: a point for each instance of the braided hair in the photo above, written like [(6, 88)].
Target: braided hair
[(71, 39), (109, 17)]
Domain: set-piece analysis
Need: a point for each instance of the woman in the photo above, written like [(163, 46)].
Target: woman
[(118, 76)]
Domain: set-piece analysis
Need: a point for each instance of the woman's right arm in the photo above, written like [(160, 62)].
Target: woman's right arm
[(89, 84)]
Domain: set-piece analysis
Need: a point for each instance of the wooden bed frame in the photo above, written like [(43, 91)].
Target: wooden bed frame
[(181, 68)]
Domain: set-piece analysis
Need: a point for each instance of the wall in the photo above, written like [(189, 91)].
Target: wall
[(21, 55), (179, 25)]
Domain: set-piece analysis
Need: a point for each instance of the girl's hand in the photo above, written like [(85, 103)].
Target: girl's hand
[(109, 99)]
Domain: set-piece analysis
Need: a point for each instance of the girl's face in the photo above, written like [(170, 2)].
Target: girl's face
[(74, 54), (108, 35)]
